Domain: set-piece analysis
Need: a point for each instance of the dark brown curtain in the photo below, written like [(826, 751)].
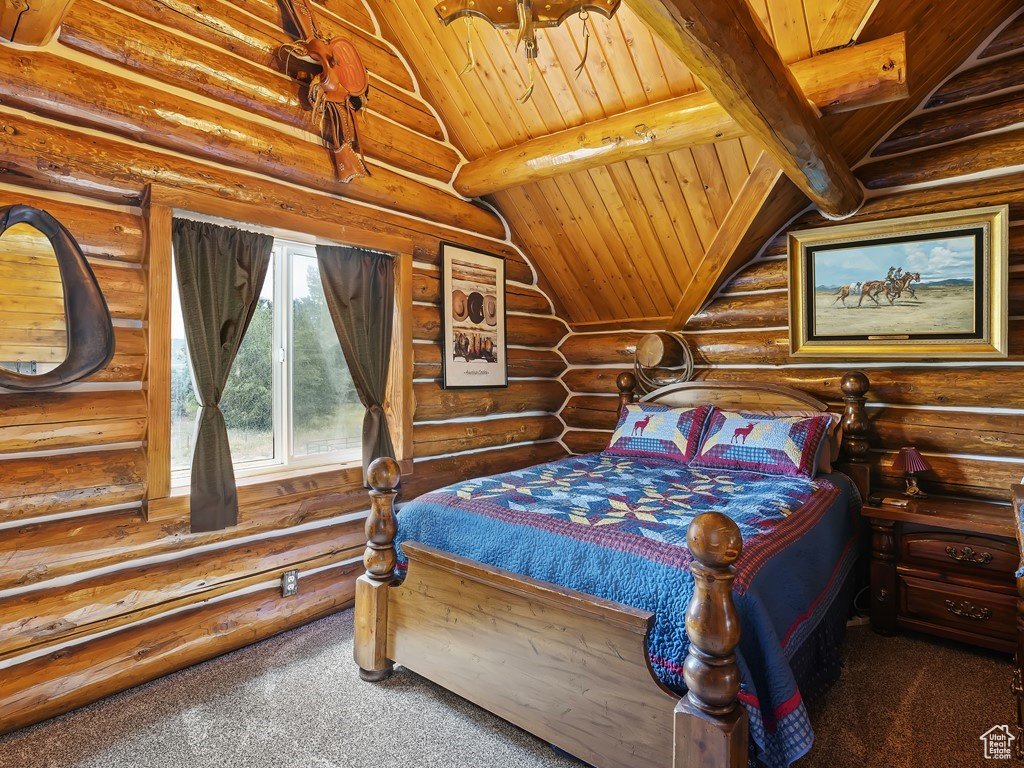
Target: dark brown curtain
[(220, 275), (360, 290)]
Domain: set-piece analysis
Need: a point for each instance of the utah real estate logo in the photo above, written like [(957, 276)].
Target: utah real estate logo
[(998, 742)]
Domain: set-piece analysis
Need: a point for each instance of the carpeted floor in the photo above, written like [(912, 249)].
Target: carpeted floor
[(295, 701)]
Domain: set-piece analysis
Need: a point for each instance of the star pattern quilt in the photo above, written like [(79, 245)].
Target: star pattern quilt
[(615, 527)]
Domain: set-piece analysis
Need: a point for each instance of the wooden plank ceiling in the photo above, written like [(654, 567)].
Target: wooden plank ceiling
[(619, 242)]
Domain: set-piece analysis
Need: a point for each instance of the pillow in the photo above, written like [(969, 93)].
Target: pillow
[(831, 448), (756, 442), (657, 431)]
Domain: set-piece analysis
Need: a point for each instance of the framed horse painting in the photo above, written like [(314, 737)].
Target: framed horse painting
[(473, 348), (930, 286)]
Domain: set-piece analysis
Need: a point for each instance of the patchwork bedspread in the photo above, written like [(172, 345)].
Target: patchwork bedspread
[(615, 527)]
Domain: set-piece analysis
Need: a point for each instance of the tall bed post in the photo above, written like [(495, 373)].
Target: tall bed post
[(710, 729), (626, 382), (856, 430), (380, 559)]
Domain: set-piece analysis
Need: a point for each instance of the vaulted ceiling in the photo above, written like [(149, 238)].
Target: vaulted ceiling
[(624, 242)]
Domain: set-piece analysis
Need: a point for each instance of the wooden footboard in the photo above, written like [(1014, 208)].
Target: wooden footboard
[(568, 667)]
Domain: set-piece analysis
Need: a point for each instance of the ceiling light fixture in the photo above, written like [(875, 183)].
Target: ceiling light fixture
[(527, 16)]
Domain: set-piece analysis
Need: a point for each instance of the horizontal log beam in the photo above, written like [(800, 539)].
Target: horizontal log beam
[(984, 153), (525, 330), (101, 232), (453, 437), (953, 431), (426, 286), (938, 126), (589, 380), (957, 476), (760, 276), (522, 363), (852, 78), (581, 441), (165, 55), (431, 474), (1011, 38), (62, 158), (99, 603), (516, 266), (591, 412), (38, 552), (980, 80), (945, 386), (755, 311), (414, 143), (38, 689), (436, 404), (46, 84)]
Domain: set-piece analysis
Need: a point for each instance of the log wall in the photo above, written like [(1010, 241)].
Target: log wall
[(965, 417), (94, 595)]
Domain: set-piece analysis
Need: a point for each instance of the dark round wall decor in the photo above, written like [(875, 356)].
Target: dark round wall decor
[(90, 334)]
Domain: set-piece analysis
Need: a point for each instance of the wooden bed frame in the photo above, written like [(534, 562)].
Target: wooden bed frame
[(568, 667)]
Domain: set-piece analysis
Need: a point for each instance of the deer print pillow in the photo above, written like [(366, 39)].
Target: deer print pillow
[(771, 445), (657, 431)]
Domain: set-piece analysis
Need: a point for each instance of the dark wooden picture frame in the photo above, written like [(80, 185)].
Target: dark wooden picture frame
[(474, 348)]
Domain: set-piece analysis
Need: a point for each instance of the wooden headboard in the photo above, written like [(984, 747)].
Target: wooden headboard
[(759, 396)]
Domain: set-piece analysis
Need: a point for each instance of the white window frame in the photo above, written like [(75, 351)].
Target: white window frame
[(284, 458)]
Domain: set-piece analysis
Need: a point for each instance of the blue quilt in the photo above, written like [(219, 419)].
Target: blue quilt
[(615, 527)]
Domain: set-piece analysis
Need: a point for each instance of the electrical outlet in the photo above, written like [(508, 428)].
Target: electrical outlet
[(289, 583)]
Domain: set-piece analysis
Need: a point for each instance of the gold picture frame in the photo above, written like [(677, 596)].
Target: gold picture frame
[(919, 287)]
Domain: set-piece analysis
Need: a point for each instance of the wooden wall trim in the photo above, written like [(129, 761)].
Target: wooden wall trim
[(400, 405), (159, 274)]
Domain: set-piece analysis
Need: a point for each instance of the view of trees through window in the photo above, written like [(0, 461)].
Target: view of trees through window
[(305, 411)]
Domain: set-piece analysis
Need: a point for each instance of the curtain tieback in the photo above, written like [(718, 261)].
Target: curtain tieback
[(375, 409)]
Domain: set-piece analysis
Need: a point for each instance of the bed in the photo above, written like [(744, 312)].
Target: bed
[(594, 666)]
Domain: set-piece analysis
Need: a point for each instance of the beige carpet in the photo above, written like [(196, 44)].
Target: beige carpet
[(296, 701)]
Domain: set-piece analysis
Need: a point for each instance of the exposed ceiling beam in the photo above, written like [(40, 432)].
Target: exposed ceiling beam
[(846, 23), (847, 79), (31, 23), (725, 46), (766, 195)]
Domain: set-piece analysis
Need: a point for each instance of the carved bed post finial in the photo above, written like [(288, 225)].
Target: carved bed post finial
[(380, 557), (712, 623), (856, 425), (709, 728), (626, 382), (856, 431), (371, 615)]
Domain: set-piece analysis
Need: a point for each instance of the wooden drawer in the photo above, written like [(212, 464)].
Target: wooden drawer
[(978, 555), (957, 607)]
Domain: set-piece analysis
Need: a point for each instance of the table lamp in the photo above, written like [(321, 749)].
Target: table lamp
[(909, 461)]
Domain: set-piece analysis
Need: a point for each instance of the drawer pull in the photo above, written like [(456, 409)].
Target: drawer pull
[(968, 610), (968, 555)]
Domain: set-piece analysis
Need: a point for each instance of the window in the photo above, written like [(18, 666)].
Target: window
[(290, 400)]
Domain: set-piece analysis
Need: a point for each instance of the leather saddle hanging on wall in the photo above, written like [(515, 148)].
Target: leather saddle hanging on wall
[(337, 93)]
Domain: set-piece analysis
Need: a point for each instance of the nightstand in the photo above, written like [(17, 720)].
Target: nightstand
[(945, 566)]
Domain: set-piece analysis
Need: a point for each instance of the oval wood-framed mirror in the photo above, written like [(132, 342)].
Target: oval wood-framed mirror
[(88, 334)]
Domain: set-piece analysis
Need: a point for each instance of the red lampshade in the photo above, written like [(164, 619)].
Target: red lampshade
[(909, 460)]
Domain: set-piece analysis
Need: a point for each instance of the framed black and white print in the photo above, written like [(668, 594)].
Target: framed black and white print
[(919, 287), (473, 342)]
